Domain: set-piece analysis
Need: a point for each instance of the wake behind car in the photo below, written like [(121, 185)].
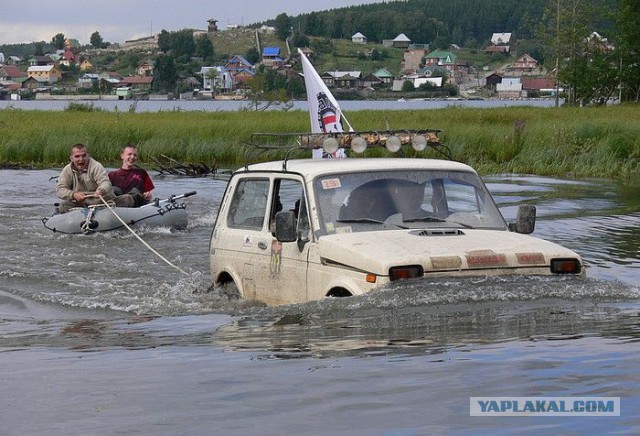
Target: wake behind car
[(298, 230)]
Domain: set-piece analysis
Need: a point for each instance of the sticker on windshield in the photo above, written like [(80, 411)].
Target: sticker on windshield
[(331, 183)]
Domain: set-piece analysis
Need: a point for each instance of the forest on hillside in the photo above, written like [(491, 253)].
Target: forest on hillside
[(467, 23)]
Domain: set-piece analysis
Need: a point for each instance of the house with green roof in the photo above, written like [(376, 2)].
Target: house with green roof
[(443, 59), (384, 75)]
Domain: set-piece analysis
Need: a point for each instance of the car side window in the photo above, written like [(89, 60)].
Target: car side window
[(289, 196), (249, 204), (462, 197)]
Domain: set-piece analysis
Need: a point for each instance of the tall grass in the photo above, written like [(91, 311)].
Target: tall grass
[(576, 142)]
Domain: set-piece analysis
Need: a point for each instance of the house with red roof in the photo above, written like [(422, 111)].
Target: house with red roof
[(11, 72), (544, 85), (68, 58), (141, 83)]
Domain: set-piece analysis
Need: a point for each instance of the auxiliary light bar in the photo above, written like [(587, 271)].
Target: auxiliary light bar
[(392, 140)]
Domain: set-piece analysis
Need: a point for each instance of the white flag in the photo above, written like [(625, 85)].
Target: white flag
[(324, 111)]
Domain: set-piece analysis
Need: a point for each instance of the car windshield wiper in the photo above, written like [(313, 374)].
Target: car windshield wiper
[(361, 220), (425, 219)]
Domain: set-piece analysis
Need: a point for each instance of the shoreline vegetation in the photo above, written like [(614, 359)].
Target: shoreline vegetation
[(600, 142)]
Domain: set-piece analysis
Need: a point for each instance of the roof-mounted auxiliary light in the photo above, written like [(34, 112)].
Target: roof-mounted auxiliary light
[(357, 141), (330, 145), (358, 144), (419, 142), (393, 144)]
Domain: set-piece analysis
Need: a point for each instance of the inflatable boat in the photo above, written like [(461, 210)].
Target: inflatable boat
[(168, 212)]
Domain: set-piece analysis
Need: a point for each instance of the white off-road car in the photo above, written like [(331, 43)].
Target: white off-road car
[(297, 230)]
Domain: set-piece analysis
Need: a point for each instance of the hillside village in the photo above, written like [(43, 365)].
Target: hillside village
[(75, 72)]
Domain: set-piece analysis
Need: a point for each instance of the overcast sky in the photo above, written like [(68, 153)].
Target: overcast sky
[(120, 20)]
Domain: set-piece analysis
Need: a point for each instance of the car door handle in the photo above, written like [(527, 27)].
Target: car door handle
[(262, 245)]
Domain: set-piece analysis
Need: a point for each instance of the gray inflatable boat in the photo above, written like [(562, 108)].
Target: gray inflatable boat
[(168, 212)]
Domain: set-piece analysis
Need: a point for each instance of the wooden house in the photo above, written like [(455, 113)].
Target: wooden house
[(492, 80), (141, 83), (401, 41), (524, 63), (145, 69), (48, 74)]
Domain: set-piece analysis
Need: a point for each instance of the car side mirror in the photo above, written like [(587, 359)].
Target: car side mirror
[(525, 220), (286, 226)]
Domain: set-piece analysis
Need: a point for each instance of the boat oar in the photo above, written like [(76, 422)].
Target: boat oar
[(139, 238), (186, 194)]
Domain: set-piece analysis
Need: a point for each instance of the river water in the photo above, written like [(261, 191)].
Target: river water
[(235, 105), (99, 336)]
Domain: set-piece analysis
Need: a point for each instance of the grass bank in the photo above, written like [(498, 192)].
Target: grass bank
[(567, 142)]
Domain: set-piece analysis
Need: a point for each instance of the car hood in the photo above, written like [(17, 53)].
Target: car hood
[(439, 250)]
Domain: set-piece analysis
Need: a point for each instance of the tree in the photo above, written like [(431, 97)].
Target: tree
[(164, 41), (252, 55), (184, 45), (408, 86), (39, 48), (283, 26), (628, 47), (214, 76), (165, 74), (322, 46), (131, 59), (204, 47), (180, 44), (58, 41), (295, 87), (567, 25), (96, 40), (268, 88), (300, 39)]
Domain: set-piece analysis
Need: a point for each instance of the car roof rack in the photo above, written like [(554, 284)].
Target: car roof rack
[(357, 141)]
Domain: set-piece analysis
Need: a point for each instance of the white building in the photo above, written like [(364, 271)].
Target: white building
[(216, 79), (359, 38), (500, 38)]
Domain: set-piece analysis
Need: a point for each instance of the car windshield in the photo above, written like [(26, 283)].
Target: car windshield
[(408, 199)]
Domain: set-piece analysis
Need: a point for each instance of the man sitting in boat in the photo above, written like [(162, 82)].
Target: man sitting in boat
[(84, 182), (132, 182)]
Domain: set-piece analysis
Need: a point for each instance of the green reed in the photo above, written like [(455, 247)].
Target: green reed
[(574, 142)]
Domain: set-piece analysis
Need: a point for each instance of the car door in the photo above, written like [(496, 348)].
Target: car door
[(239, 239), (284, 266)]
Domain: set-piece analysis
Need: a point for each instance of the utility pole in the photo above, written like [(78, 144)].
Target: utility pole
[(620, 84), (557, 51)]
